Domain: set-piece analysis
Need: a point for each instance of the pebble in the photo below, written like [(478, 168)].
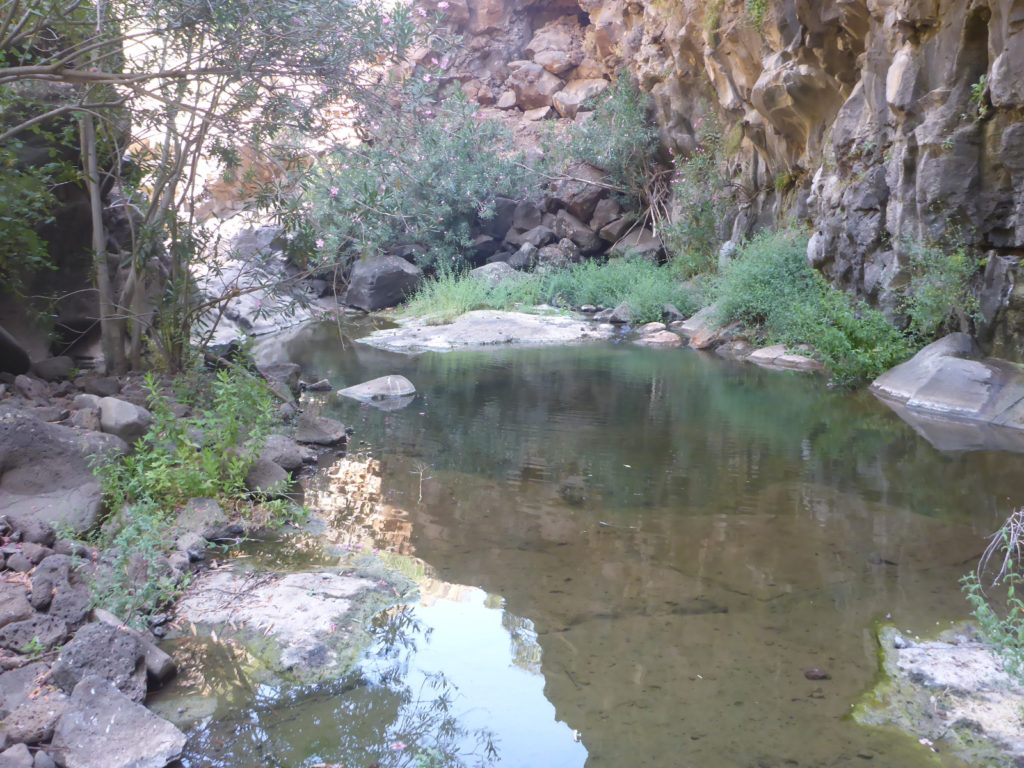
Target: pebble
[(817, 674)]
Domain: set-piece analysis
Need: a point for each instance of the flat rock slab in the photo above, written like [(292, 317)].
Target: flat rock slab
[(779, 356), (380, 390), (103, 728), (487, 327), (953, 688), (949, 380), (300, 625)]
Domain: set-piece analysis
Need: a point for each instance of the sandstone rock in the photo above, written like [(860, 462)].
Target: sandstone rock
[(540, 113), (569, 100), (123, 419), (660, 338), (104, 651), (103, 728), (507, 100), (381, 282), (319, 430), (534, 86)]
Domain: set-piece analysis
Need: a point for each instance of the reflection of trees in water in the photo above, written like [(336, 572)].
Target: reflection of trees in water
[(373, 718)]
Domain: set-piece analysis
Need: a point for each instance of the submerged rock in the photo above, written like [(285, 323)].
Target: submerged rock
[(380, 390)]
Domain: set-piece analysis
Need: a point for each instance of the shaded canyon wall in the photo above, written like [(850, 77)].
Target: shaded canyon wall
[(874, 123)]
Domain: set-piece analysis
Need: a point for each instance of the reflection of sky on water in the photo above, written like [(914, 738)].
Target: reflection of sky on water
[(497, 685)]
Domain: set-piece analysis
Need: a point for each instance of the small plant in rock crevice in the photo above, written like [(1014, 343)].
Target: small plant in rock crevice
[(938, 296), (1002, 626)]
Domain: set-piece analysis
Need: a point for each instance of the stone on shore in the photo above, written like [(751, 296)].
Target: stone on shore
[(103, 728)]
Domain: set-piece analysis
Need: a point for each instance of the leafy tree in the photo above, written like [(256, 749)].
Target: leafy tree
[(192, 77)]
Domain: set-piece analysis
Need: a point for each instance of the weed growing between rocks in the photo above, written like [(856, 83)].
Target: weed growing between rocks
[(641, 283), (938, 296), (1002, 626), (770, 288), (206, 455)]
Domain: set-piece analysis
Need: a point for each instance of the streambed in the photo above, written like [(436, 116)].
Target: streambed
[(625, 557)]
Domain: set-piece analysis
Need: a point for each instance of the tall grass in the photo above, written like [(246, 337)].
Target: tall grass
[(645, 286), (772, 290)]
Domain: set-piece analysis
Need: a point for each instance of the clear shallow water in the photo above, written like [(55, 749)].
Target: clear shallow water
[(639, 549)]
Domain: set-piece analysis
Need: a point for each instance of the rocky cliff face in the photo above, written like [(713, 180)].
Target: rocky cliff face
[(877, 123)]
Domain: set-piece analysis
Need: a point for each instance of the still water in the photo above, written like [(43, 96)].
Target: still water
[(629, 557)]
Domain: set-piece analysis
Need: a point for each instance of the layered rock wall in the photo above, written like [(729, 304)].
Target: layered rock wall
[(876, 123)]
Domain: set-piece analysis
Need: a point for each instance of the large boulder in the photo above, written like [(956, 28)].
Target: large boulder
[(46, 471), (494, 273), (319, 430), (569, 100), (112, 654), (533, 85), (103, 728), (126, 420), (59, 587), (381, 282), (580, 190), (383, 388), (557, 46)]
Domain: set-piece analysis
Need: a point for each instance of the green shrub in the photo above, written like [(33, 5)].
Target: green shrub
[(200, 456), (770, 288), (642, 283), (938, 296), (429, 174), (1002, 627), (621, 139)]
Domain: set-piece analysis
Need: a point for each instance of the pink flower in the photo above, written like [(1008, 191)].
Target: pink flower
[(426, 78), (319, 242), (422, 12), (442, 6), (334, 191), (386, 20)]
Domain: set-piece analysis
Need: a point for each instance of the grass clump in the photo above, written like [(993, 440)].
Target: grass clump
[(938, 297), (1002, 626), (772, 290), (206, 455), (644, 285)]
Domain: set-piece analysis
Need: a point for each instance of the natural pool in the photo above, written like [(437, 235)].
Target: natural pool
[(630, 557)]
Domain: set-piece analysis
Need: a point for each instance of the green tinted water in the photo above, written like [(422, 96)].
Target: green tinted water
[(636, 553)]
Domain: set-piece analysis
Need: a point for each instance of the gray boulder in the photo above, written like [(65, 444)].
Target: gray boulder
[(34, 719), (319, 430), (126, 420), (17, 684), (580, 190), (14, 604), (494, 273), (266, 478), (59, 588), (40, 632), (622, 314), (46, 473), (383, 388), (525, 258), (54, 368), (381, 282), (282, 377), (284, 452), (17, 756), (112, 654), (103, 728)]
